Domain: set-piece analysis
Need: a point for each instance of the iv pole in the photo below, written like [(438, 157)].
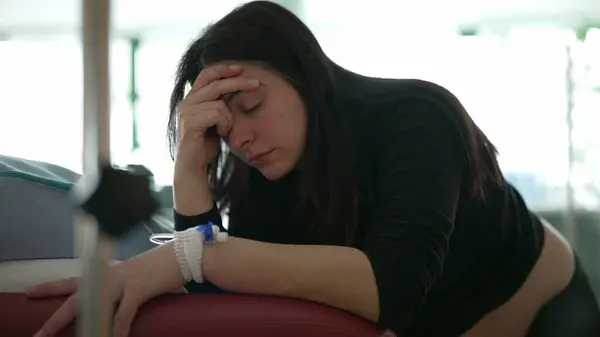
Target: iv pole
[(95, 302), (111, 201)]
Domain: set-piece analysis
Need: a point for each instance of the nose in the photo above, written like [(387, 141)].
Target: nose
[(240, 136)]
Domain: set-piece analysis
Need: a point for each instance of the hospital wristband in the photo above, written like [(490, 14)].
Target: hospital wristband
[(189, 248)]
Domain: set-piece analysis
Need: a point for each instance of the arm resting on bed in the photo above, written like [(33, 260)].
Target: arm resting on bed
[(341, 277)]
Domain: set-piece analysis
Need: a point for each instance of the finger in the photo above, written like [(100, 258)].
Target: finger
[(60, 319), (56, 288), (124, 316), (213, 73), (202, 116), (214, 90)]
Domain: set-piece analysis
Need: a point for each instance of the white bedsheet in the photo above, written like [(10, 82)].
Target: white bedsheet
[(17, 276)]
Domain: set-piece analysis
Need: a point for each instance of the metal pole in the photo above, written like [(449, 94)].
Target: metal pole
[(571, 223), (95, 300)]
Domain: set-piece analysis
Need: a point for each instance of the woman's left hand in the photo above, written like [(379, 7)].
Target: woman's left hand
[(133, 282)]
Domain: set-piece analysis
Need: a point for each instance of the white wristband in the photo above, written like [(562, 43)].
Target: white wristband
[(183, 265), (189, 248)]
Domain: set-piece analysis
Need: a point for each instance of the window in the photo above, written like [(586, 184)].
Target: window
[(42, 100), (515, 87)]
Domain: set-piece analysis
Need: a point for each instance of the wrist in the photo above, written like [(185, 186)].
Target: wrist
[(192, 196), (209, 262), (165, 257), (185, 177), (194, 249)]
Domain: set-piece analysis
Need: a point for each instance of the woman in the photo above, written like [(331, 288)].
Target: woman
[(379, 197)]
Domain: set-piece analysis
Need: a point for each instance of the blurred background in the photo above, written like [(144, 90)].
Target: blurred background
[(528, 71)]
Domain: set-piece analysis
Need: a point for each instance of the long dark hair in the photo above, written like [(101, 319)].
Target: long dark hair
[(270, 34), (327, 180)]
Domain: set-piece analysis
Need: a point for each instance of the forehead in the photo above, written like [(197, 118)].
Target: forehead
[(254, 70), (250, 70)]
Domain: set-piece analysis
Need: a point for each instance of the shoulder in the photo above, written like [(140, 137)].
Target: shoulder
[(374, 102), (382, 97), (415, 109)]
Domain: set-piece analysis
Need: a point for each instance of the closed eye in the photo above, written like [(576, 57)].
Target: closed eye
[(252, 109)]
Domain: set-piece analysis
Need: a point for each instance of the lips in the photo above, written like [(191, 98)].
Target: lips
[(259, 158)]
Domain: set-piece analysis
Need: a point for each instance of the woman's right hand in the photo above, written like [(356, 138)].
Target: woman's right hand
[(204, 118)]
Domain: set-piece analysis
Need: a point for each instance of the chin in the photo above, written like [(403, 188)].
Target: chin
[(274, 172)]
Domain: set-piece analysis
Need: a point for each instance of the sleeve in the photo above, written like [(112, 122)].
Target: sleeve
[(183, 222), (417, 184)]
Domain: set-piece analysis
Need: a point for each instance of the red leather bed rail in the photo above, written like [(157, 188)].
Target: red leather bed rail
[(202, 315)]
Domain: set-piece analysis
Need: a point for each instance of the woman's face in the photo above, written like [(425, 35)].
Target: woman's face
[(269, 124)]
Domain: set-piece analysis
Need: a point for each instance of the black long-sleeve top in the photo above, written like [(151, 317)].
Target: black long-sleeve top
[(441, 258)]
